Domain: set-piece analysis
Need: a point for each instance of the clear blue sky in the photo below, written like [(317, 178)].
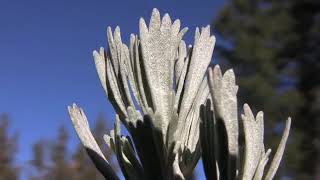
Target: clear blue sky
[(46, 56)]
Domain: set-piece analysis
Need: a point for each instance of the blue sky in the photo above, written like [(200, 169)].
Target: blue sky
[(46, 56)]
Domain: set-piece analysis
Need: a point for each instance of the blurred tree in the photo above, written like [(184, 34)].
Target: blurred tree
[(272, 47), (8, 149), (38, 162), (51, 159), (60, 168), (39, 155), (306, 51)]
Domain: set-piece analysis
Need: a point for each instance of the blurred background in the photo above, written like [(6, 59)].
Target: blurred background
[(46, 64)]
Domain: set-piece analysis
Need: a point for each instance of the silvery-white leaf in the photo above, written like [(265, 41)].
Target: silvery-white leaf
[(132, 73), (113, 84), (114, 42), (253, 144), (191, 124), (81, 126), (158, 46), (100, 62), (129, 165), (139, 74), (200, 59), (278, 156), (124, 75), (224, 95), (263, 161), (181, 80), (182, 53), (110, 141)]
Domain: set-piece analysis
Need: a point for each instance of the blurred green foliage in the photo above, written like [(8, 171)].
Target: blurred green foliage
[(274, 48)]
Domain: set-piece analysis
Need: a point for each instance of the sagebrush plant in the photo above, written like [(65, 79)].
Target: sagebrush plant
[(176, 108)]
